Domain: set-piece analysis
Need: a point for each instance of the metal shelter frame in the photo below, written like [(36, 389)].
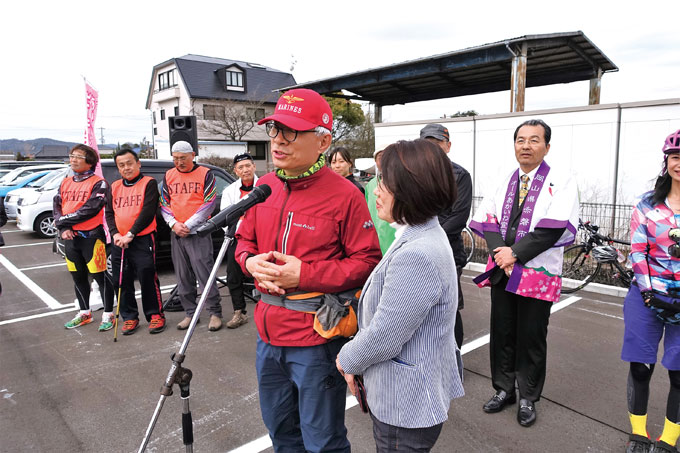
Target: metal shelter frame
[(512, 64)]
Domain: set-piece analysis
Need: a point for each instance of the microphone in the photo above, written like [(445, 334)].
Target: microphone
[(228, 216)]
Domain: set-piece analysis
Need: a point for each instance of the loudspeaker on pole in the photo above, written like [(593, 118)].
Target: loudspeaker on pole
[(183, 128)]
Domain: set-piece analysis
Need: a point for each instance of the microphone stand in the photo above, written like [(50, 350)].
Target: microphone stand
[(181, 375)]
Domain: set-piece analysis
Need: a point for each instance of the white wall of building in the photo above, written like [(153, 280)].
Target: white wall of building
[(205, 149), (584, 141), (221, 149)]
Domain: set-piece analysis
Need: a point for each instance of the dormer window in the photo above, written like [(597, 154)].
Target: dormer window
[(234, 79), (166, 80)]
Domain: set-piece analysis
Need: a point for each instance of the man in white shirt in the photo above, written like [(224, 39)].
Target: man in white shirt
[(244, 168), (525, 222)]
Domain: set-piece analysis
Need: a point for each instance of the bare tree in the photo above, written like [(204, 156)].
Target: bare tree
[(232, 119)]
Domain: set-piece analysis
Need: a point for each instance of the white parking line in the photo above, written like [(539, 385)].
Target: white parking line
[(50, 301), (40, 315), (600, 313), (61, 263), (25, 245), (264, 442), (164, 290)]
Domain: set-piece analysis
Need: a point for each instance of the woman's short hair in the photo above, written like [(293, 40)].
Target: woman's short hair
[(420, 177), (344, 153), (91, 156)]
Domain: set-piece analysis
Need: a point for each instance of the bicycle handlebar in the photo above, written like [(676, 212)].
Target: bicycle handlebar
[(593, 233)]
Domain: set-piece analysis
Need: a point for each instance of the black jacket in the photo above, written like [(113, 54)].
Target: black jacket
[(454, 219), (3, 219), (351, 179)]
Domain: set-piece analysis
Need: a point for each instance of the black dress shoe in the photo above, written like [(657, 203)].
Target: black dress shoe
[(526, 414), (499, 401)]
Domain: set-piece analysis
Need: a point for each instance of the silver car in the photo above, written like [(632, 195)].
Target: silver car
[(12, 198)]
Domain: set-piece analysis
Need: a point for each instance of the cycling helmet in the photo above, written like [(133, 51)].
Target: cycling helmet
[(672, 144), (605, 254)]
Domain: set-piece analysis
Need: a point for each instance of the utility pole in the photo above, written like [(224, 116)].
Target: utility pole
[(101, 132)]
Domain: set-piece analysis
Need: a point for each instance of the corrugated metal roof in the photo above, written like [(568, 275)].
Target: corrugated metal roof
[(551, 58)]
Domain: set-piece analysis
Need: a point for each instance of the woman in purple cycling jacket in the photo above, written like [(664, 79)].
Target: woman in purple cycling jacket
[(655, 253)]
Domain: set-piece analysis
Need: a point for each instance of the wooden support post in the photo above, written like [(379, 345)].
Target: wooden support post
[(518, 81), (595, 87), (377, 113)]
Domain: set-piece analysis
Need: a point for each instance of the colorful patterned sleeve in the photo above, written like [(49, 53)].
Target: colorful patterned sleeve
[(166, 210), (209, 199), (638, 247)]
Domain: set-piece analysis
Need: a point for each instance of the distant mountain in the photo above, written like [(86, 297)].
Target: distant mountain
[(26, 147)]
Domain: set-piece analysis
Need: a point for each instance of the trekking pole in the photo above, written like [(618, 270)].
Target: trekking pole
[(120, 286)]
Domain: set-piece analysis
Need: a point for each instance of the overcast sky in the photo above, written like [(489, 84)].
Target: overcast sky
[(49, 46)]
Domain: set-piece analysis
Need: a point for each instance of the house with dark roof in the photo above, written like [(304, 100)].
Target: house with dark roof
[(226, 96), (53, 152)]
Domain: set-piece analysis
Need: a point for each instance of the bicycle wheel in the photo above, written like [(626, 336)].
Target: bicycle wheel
[(468, 243), (578, 266), (623, 276)]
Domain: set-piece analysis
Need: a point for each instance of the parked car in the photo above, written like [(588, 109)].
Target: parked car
[(155, 169), (12, 198), (20, 172), (34, 210), (21, 182), (10, 164)]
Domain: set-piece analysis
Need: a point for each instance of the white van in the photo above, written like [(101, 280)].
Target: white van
[(34, 208), (12, 198)]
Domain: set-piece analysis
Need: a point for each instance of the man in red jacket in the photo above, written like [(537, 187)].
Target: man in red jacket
[(313, 235)]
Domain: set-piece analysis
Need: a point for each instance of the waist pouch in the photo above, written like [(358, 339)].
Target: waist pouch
[(667, 308), (334, 314)]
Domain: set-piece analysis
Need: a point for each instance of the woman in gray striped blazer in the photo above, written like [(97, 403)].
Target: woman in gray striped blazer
[(405, 347)]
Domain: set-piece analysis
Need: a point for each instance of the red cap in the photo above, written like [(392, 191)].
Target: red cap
[(302, 110)]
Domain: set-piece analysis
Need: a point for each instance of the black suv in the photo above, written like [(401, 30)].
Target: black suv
[(157, 169)]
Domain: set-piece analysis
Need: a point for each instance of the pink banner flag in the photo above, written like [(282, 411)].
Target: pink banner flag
[(90, 138)]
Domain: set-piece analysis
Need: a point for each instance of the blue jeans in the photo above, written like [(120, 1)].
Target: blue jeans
[(302, 397)]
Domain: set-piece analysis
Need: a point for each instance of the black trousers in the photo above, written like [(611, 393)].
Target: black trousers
[(518, 346), (85, 257), (458, 326), (389, 438), (140, 262), (235, 279)]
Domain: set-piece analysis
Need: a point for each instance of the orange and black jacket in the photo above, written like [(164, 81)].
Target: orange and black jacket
[(79, 203)]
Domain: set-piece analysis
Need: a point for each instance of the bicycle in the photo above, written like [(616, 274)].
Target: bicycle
[(583, 262), (468, 243)]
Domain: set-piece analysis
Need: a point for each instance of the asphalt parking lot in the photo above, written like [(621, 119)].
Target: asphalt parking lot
[(77, 390)]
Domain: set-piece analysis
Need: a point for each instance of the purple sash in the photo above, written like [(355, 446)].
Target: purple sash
[(551, 289), (529, 202)]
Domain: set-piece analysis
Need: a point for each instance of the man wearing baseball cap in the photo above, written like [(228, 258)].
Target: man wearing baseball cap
[(313, 236), (453, 220), (188, 197), (244, 168)]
